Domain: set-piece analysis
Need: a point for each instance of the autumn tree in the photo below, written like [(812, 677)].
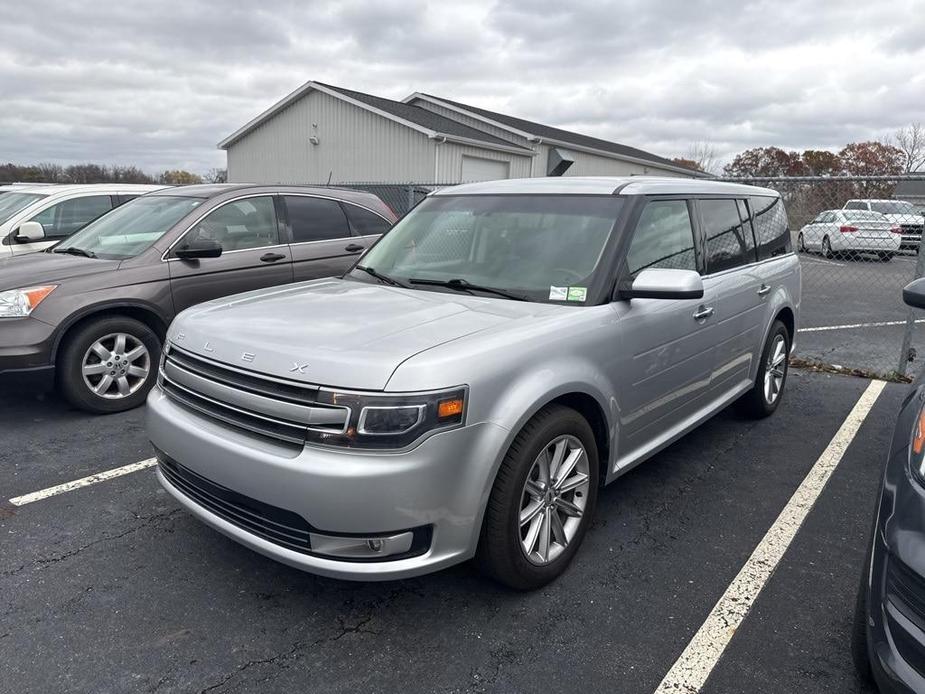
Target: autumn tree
[(686, 163), (765, 161), (179, 177), (872, 159), (821, 162)]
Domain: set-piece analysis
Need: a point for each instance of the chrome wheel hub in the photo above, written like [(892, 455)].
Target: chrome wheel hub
[(553, 500), (775, 369), (115, 366)]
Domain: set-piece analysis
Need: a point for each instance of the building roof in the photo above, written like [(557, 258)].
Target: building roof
[(548, 132), (915, 189), (604, 185), (427, 122)]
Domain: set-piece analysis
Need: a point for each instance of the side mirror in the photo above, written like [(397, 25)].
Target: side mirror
[(658, 283), (198, 248), (914, 293), (30, 232)]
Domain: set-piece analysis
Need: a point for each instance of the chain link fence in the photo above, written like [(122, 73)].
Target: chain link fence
[(858, 239)]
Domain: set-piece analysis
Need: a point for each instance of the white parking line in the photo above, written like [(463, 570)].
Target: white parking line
[(83, 482), (691, 670), (852, 326)]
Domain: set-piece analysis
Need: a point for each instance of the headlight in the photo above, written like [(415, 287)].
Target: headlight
[(391, 421), (917, 448), (18, 303)]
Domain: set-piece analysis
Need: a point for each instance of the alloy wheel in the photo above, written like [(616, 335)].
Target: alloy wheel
[(553, 500), (775, 369), (116, 365)]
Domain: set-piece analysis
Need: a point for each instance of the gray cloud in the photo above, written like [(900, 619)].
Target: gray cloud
[(158, 84)]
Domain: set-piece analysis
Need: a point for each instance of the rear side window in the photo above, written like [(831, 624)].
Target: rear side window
[(315, 219), (240, 225), (772, 229), (66, 217), (729, 242), (364, 222), (663, 238), (856, 206)]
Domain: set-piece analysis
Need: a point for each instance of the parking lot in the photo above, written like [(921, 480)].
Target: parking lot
[(853, 315), (112, 587)]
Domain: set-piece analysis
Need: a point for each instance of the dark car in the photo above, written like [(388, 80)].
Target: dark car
[(889, 627), (92, 312)]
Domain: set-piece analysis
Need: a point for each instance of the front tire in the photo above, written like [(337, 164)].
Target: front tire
[(859, 651), (827, 248), (108, 365), (542, 501), (764, 397)]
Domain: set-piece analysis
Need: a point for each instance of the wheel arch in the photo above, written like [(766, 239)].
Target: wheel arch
[(140, 311)]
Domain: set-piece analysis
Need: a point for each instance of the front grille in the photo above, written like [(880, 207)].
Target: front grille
[(271, 523), (270, 408), (906, 592)]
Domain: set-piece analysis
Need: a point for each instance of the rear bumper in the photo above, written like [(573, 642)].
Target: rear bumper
[(850, 242), (436, 490)]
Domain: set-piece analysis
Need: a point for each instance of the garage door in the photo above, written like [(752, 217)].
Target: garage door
[(478, 169)]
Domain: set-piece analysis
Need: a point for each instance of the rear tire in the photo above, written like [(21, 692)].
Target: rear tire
[(827, 248), (886, 257), (523, 508), (767, 392), (108, 365)]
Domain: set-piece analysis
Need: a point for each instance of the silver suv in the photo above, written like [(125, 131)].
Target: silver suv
[(467, 388)]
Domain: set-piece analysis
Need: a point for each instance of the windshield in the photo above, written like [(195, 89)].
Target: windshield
[(11, 203), (888, 207), (541, 247), (130, 229), (861, 215)]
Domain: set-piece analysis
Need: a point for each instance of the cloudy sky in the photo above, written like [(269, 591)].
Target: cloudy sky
[(157, 84)]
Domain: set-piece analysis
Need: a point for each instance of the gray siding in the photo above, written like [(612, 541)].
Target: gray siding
[(354, 145), (449, 169), (587, 164)]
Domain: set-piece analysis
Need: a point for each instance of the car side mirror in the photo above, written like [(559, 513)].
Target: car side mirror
[(660, 283), (914, 293), (30, 232), (198, 248)]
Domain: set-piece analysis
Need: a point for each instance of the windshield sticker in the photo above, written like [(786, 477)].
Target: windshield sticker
[(577, 293), (558, 293)]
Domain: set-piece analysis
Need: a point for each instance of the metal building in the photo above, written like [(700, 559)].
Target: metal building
[(325, 134)]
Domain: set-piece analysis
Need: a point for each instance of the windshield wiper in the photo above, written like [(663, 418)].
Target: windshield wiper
[(462, 285), (382, 278), (74, 250)]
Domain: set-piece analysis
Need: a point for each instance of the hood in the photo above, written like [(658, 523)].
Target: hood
[(338, 333), (48, 268)]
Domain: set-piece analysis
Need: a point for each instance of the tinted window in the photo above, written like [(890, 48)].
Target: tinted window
[(856, 206), (364, 222), (239, 225), (67, 217), (315, 219), (663, 238), (771, 226), (728, 244)]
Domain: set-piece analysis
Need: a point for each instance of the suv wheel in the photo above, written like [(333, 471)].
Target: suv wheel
[(542, 501), (109, 365), (766, 394)]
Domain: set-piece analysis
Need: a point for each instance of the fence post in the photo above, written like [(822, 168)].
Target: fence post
[(910, 312)]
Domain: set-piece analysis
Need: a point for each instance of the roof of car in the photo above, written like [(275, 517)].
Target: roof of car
[(211, 190), (605, 185), (64, 188)]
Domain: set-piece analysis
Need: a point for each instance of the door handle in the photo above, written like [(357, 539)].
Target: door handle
[(271, 257), (763, 289), (354, 248), (703, 313)]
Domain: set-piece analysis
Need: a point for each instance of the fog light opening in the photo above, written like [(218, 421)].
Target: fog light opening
[(374, 545)]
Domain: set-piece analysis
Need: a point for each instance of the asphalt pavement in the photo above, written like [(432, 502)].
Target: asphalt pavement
[(114, 588)]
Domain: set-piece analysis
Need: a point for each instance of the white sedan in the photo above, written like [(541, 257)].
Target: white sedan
[(850, 232)]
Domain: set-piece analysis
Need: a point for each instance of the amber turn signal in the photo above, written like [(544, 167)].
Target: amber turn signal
[(449, 408), (918, 439)]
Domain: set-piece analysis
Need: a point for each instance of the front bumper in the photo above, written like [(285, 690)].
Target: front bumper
[(25, 350), (438, 489)]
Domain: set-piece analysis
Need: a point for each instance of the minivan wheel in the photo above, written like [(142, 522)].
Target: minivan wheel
[(765, 395), (109, 365), (542, 501)]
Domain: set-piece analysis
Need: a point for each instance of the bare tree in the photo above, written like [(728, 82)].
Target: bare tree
[(703, 153), (911, 140)]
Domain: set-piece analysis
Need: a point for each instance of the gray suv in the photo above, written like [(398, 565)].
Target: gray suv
[(464, 391), (92, 312)]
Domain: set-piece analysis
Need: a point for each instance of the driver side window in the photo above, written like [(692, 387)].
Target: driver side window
[(240, 225), (664, 238)]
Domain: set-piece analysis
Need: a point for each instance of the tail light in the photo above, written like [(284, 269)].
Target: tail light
[(896, 229), (847, 229)]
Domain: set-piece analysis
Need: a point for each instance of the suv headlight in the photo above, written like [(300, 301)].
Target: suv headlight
[(391, 421), (19, 303)]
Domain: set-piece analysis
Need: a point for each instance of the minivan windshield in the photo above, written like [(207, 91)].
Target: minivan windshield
[(889, 207), (536, 247), (11, 203), (130, 229)]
